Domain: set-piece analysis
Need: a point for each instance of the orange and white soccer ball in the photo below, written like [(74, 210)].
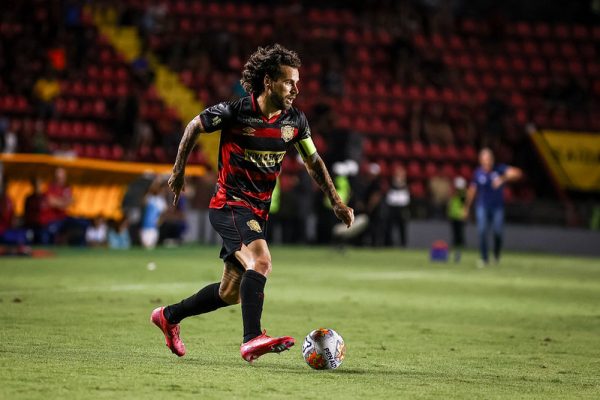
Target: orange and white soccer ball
[(324, 349)]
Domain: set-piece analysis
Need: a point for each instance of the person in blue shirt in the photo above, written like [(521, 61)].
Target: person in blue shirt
[(486, 190)]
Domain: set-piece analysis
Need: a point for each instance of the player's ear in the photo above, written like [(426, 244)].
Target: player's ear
[(267, 81)]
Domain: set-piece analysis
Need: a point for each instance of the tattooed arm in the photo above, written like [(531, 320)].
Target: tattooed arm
[(317, 170), (176, 182)]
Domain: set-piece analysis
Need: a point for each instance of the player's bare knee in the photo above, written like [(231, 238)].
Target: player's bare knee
[(262, 265)]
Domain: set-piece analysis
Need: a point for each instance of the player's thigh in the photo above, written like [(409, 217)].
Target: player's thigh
[(481, 217), (229, 289), (255, 256)]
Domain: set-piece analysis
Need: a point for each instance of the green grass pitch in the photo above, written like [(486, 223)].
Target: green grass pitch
[(76, 326)]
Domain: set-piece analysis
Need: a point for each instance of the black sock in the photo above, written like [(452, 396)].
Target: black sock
[(206, 300), (252, 296)]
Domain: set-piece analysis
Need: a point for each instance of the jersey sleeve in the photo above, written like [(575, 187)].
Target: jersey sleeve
[(303, 128), (216, 117), (501, 169), (303, 142)]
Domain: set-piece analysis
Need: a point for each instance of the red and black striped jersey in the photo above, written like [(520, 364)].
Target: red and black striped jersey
[(251, 151)]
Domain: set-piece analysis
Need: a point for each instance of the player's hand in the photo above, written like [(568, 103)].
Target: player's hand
[(344, 213), (497, 182), (177, 185), (465, 213)]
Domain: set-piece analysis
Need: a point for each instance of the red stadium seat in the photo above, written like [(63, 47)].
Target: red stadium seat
[(430, 169), (466, 171), (469, 154), (417, 150), (417, 190), (435, 152), (414, 170), (399, 149)]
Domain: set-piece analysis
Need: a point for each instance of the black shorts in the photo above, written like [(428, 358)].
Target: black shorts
[(236, 226)]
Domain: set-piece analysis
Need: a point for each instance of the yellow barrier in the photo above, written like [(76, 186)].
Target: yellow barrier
[(98, 185), (573, 158)]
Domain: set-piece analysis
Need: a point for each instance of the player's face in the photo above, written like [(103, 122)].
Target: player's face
[(486, 159), (285, 89)]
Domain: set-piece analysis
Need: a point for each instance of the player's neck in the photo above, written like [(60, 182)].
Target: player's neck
[(267, 108)]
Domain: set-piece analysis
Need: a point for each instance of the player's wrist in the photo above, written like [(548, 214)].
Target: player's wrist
[(178, 170)]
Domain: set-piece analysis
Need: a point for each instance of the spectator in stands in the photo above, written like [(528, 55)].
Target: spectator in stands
[(96, 233), (436, 128), (127, 111), (7, 212), (57, 55), (143, 139), (39, 140), (440, 188), (10, 233), (8, 138), (333, 78), (142, 69), (397, 201), (431, 126), (118, 235), (155, 204), (37, 213), (486, 190), (497, 111), (456, 205), (46, 90), (60, 197)]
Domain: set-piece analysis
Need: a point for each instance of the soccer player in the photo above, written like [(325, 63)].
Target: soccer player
[(256, 132), (487, 188)]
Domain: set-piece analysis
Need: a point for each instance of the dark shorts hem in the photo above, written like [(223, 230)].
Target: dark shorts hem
[(236, 225)]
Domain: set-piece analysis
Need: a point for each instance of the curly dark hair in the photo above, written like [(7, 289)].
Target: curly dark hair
[(266, 61)]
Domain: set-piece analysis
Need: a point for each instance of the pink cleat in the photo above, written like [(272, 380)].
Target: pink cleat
[(171, 332), (264, 344)]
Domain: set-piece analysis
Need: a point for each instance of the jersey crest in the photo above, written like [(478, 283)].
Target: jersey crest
[(287, 133)]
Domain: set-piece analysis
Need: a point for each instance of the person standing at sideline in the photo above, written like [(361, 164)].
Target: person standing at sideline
[(486, 190), (155, 204), (456, 205), (397, 200)]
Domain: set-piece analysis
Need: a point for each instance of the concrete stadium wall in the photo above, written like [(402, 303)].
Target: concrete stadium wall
[(545, 239), (422, 234)]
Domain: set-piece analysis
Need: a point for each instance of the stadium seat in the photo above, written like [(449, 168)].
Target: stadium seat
[(417, 190), (417, 150)]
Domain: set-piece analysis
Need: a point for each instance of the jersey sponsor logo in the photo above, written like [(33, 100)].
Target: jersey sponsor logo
[(248, 131), (254, 225), (287, 133), (264, 158), (251, 121)]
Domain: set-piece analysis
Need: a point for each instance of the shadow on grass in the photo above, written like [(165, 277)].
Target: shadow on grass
[(300, 369)]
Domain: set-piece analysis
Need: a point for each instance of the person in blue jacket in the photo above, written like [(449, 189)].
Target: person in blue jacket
[(486, 190)]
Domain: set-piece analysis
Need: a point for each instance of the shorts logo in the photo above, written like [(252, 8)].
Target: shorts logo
[(287, 133), (254, 225)]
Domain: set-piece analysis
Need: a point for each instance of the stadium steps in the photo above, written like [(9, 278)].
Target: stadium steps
[(168, 84)]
